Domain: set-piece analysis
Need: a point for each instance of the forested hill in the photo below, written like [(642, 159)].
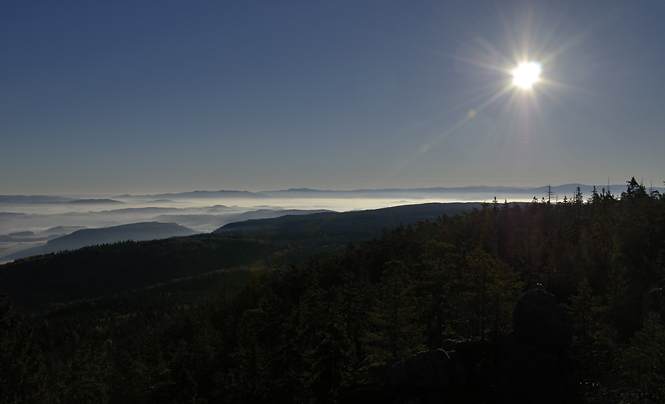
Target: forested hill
[(134, 231), (124, 266), (325, 331), (96, 271), (106, 235), (370, 222)]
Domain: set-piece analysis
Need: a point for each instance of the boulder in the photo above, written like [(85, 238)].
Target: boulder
[(539, 321), (427, 372), (536, 363), (368, 384), (654, 301)]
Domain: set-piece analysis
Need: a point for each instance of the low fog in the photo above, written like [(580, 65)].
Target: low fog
[(31, 221)]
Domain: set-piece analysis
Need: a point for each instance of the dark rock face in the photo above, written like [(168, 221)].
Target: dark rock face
[(432, 376), (369, 385), (654, 300), (536, 363), (428, 371), (539, 321)]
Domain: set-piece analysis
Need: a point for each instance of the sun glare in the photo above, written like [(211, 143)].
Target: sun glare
[(527, 74)]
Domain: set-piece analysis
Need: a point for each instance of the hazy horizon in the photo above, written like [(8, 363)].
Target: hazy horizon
[(29, 222), (27, 226), (505, 188)]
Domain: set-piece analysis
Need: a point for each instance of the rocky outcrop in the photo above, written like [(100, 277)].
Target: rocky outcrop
[(654, 301), (369, 384), (428, 376), (428, 371), (536, 364), (532, 364), (449, 375)]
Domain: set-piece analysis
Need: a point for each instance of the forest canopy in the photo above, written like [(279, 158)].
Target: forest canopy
[(293, 330)]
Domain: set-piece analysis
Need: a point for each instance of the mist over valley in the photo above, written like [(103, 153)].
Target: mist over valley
[(29, 223)]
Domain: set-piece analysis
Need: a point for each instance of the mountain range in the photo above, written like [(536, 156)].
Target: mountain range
[(108, 235), (462, 193)]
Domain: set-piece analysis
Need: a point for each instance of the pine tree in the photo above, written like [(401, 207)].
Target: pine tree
[(617, 301), (332, 356), (87, 379), (395, 312), (644, 360), (436, 301), (493, 289), (20, 361), (587, 311)]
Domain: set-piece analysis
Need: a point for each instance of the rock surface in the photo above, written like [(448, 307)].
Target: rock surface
[(654, 300), (427, 371), (536, 363), (428, 377), (533, 365)]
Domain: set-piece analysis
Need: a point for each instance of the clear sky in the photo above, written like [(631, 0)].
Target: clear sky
[(108, 97)]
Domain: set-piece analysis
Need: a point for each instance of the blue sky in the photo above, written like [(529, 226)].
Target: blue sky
[(170, 96)]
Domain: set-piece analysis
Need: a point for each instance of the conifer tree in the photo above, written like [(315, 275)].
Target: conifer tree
[(86, 381), (395, 314), (332, 357), (587, 311), (643, 362), (617, 301), (493, 288), (436, 291), (20, 361)]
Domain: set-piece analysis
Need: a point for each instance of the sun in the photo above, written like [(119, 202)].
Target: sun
[(527, 74)]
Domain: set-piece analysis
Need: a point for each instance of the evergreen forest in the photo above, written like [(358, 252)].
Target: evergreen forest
[(312, 311)]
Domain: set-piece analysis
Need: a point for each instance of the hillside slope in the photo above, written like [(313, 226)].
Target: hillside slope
[(115, 268), (370, 221), (106, 235)]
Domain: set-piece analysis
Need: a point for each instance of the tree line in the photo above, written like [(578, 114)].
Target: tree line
[(309, 333)]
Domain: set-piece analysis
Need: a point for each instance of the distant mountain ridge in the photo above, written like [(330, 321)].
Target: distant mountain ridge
[(30, 199), (468, 193), (368, 222), (199, 194), (93, 201), (107, 235)]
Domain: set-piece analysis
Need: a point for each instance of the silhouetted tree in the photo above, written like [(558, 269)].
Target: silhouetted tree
[(395, 316), (643, 362), (20, 363)]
